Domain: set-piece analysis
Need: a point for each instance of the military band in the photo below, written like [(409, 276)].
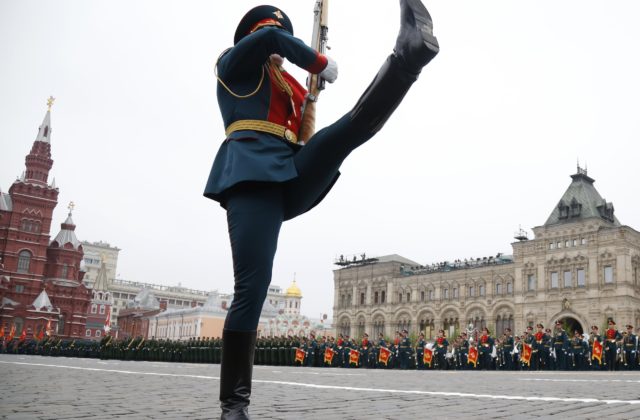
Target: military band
[(614, 350)]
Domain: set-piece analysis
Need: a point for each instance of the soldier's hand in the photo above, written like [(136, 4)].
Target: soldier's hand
[(330, 72)]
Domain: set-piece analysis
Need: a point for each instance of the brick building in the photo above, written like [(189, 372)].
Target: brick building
[(40, 279)]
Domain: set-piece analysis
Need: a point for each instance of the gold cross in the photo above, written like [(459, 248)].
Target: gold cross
[(50, 102), (278, 14), (71, 206)]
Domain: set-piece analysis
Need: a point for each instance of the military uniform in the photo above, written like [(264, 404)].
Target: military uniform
[(630, 348), (612, 336), (560, 347), (485, 347), (404, 350), (440, 352), (507, 352)]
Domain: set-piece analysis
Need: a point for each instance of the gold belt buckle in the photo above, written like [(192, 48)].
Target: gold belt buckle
[(288, 134)]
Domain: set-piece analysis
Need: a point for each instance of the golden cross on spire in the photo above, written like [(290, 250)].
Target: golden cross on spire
[(71, 206), (50, 102)]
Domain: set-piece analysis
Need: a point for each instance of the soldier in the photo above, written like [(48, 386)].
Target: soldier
[(271, 179), (440, 350), (595, 337), (576, 356), (560, 346), (420, 343), (404, 350), (464, 351), (539, 358), (517, 351), (507, 350), (630, 346), (611, 345), (485, 346), (312, 348), (365, 348)]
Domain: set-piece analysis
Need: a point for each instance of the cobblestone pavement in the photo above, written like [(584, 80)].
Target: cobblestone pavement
[(35, 387)]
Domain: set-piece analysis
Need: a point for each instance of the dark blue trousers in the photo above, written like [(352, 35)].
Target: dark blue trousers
[(256, 211)]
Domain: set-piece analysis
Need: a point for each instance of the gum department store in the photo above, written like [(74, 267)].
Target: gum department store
[(581, 268)]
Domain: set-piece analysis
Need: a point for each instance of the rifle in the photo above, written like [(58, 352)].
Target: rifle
[(315, 83)]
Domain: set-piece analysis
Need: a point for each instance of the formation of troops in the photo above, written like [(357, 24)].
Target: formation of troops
[(542, 349)]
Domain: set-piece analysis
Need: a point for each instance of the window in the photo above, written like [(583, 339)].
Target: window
[(375, 297), (608, 274), (559, 245), (575, 242), (455, 292), (101, 309), (531, 282), (581, 278), (509, 287), (446, 293), (567, 244), (583, 241), (567, 279), (24, 260), (399, 297), (498, 288), (552, 246), (19, 288), (430, 294), (94, 309), (361, 298), (472, 291), (98, 333), (422, 296), (65, 271), (409, 297), (554, 279), (349, 299), (481, 289), (382, 296), (87, 333)]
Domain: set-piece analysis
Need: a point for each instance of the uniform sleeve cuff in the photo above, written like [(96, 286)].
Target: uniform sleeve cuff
[(319, 64)]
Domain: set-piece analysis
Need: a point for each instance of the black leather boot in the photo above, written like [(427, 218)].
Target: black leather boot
[(236, 369), (415, 47)]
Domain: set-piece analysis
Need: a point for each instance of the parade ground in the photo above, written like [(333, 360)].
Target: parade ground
[(36, 387)]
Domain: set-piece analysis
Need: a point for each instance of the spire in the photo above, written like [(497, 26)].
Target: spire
[(101, 279), (67, 233), (39, 161)]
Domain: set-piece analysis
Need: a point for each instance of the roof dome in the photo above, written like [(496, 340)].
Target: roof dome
[(293, 290)]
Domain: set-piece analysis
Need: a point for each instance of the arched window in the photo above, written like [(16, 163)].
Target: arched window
[(94, 308), (24, 261)]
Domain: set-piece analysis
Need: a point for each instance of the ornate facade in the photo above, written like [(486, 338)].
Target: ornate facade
[(582, 267), (40, 280)]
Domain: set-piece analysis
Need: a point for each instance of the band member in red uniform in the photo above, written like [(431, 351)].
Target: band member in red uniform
[(441, 350), (486, 343)]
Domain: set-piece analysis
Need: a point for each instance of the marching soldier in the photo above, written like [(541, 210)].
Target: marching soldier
[(611, 345)]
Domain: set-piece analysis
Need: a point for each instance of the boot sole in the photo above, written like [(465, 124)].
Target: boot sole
[(423, 20)]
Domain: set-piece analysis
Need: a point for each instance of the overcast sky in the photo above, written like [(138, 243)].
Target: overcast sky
[(484, 142)]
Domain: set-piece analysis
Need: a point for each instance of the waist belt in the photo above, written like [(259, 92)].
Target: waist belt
[(263, 126), (611, 340)]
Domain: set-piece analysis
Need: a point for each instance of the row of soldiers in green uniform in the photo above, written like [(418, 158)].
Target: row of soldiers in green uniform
[(543, 350)]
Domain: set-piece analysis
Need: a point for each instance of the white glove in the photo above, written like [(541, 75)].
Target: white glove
[(330, 73)]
